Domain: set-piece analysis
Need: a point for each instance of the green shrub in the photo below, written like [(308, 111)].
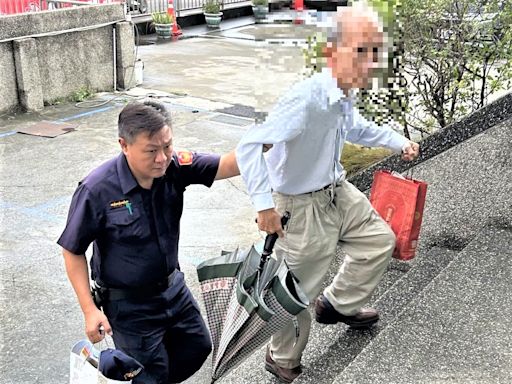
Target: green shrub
[(161, 18), (82, 94), (211, 6)]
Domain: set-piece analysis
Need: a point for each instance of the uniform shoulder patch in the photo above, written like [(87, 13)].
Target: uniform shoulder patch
[(185, 157)]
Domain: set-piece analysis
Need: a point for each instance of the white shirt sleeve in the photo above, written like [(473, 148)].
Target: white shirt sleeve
[(285, 122), (370, 134)]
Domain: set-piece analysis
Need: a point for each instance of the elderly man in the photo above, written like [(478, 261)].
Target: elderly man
[(302, 174), (129, 208)]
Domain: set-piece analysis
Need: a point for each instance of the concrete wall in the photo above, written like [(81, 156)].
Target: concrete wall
[(46, 56), (8, 88)]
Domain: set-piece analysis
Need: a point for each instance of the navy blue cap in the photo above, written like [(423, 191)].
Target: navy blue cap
[(117, 365)]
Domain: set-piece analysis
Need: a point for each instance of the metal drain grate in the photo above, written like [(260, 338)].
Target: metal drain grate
[(231, 120), (239, 110)]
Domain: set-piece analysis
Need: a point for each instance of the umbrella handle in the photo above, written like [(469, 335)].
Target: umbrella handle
[(271, 239)]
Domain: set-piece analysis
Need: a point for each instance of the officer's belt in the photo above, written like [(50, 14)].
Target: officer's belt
[(145, 292)]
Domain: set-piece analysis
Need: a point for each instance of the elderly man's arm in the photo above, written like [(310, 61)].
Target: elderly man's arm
[(78, 274), (370, 134), (284, 123)]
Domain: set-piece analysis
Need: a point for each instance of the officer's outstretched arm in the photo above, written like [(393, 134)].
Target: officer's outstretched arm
[(78, 274), (228, 166)]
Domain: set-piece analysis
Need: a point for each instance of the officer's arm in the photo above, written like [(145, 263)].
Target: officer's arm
[(228, 166), (78, 274)]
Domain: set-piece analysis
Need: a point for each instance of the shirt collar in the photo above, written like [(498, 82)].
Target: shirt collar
[(333, 93), (126, 178)]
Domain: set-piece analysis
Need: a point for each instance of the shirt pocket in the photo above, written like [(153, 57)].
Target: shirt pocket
[(125, 227)]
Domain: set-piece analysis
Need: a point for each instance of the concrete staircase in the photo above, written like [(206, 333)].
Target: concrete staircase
[(456, 330), (445, 316)]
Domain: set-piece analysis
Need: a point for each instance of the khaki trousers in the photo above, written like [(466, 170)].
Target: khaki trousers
[(309, 246)]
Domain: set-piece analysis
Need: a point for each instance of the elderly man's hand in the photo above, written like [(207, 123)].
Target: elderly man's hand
[(269, 221), (410, 151)]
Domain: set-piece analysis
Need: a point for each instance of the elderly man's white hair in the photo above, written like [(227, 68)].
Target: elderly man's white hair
[(359, 9)]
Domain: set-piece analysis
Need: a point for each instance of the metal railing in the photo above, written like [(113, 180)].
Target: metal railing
[(195, 4), (11, 7), (135, 7), (150, 6)]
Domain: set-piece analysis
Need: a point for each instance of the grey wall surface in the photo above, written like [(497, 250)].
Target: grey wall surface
[(8, 89), (73, 60), (73, 49)]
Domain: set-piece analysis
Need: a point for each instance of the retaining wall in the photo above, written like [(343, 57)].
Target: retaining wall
[(46, 56)]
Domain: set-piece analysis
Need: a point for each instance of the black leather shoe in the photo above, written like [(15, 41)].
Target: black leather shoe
[(326, 314), (285, 375)]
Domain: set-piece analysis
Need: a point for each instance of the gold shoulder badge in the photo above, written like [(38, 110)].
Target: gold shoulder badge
[(185, 157)]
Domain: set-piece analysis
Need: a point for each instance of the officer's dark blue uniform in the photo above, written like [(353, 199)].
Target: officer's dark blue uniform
[(135, 236)]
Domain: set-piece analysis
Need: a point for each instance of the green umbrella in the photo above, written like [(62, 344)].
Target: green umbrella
[(248, 297)]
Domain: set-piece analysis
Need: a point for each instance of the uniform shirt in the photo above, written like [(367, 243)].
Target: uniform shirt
[(134, 232), (307, 127)]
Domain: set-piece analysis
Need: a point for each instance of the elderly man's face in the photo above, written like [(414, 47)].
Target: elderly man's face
[(355, 55)]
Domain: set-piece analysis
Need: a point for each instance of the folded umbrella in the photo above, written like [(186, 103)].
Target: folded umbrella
[(248, 297)]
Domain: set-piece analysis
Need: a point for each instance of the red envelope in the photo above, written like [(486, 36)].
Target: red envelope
[(400, 202)]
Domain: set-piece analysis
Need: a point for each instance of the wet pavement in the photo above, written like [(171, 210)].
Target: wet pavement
[(37, 180), (223, 69)]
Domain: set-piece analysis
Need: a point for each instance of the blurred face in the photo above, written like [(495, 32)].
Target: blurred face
[(148, 157), (355, 56)]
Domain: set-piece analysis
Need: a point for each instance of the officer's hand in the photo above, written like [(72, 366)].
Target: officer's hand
[(96, 325), (269, 221), (410, 151)]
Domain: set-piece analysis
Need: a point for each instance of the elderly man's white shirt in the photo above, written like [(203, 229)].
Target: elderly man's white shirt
[(308, 128)]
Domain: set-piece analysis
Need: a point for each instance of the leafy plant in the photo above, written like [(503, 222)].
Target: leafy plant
[(262, 3), (458, 52), (211, 6), (162, 18), (82, 94), (314, 53)]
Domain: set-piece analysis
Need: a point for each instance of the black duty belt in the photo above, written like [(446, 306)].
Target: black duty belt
[(112, 294)]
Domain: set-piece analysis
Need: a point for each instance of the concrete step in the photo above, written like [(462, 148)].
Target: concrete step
[(332, 348), (456, 331)]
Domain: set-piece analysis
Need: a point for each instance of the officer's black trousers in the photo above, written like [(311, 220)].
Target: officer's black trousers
[(165, 333)]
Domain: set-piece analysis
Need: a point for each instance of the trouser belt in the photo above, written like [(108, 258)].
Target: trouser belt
[(112, 294), (323, 188)]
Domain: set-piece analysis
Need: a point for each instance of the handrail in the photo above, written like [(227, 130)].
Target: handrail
[(74, 2)]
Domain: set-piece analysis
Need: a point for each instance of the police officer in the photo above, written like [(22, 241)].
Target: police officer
[(129, 208)]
